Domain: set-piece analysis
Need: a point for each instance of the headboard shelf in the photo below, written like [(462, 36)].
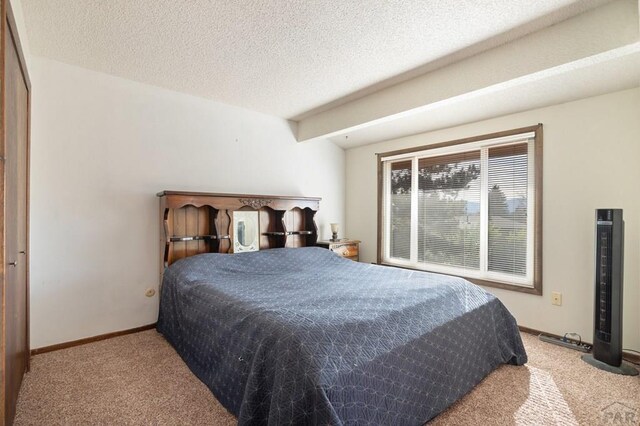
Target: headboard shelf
[(275, 234), (177, 199), (199, 222), (177, 239), (283, 233)]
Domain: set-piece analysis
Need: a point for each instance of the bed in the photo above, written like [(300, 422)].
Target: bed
[(295, 334), (303, 336)]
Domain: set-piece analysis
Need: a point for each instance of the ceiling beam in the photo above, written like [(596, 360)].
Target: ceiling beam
[(591, 34)]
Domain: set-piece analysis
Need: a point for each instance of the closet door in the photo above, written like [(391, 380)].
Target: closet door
[(16, 293)]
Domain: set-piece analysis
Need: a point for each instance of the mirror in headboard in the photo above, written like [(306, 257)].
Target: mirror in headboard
[(198, 222), (246, 231)]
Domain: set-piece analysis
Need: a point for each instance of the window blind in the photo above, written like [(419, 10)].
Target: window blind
[(400, 210), (508, 187), (449, 210)]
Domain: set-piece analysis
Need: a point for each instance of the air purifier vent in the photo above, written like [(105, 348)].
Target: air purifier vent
[(607, 335)]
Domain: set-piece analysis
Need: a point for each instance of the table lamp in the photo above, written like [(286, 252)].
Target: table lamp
[(334, 232)]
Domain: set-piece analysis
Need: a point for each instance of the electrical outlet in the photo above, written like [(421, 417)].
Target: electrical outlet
[(556, 298), (150, 292)]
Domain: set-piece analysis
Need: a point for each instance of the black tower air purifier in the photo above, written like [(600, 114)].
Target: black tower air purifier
[(607, 334)]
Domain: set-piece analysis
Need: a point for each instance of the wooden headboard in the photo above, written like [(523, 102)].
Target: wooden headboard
[(198, 222)]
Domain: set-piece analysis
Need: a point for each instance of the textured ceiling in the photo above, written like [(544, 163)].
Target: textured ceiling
[(280, 57)]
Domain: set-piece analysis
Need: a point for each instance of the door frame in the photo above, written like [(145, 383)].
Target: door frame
[(8, 26)]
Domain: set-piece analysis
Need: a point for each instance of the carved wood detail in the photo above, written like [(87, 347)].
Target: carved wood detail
[(255, 203)]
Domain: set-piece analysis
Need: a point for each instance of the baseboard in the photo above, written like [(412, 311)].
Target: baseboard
[(628, 356), (631, 357), (86, 340)]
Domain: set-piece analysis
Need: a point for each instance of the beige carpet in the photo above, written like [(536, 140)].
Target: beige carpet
[(139, 379)]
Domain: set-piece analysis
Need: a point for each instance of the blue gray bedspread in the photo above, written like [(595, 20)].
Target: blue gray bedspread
[(302, 336)]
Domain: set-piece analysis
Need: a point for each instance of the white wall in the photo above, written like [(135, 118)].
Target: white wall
[(591, 160), (102, 147)]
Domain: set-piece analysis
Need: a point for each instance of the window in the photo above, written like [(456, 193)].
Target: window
[(470, 208)]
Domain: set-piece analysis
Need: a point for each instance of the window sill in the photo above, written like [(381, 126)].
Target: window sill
[(535, 290)]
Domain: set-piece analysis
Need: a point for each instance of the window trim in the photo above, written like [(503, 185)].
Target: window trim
[(536, 289)]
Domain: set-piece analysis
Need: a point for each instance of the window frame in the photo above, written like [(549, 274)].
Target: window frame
[(534, 250)]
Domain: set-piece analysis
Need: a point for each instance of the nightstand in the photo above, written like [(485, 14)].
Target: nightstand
[(346, 248)]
